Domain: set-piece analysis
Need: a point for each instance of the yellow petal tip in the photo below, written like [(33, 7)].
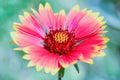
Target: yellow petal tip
[(26, 49), (30, 64), (38, 68), (101, 54), (34, 11), (47, 70), (62, 12), (21, 18), (76, 7), (26, 14), (106, 39), (47, 6), (97, 48), (17, 49), (74, 62), (65, 65), (84, 10), (53, 72), (90, 61), (27, 57), (41, 7), (16, 26)]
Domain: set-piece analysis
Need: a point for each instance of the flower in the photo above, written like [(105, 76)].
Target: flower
[(53, 41)]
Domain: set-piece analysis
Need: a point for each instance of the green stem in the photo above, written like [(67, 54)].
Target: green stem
[(61, 74), (59, 78)]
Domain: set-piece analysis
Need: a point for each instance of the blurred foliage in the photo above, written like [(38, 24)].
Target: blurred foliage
[(13, 67)]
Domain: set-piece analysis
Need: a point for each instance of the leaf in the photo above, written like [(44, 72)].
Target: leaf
[(76, 67)]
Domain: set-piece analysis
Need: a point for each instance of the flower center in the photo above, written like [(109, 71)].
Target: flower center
[(60, 37), (59, 41)]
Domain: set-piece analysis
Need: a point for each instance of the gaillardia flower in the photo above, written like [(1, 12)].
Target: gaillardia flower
[(53, 41)]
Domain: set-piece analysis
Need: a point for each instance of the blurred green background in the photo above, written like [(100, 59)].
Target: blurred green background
[(13, 67)]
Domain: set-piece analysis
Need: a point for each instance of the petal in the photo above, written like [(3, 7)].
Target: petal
[(95, 40), (17, 48), (38, 17), (25, 40), (46, 16), (86, 60), (26, 31), (29, 22), (38, 68), (37, 24), (68, 59), (88, 50), (31, 64), (60, 19), (71, 18), (44, 59), (91, 46), (27, 57), (52, 65), (101, 54), (90, 24)]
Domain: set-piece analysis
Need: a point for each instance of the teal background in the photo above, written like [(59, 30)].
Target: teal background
[(13, 67)]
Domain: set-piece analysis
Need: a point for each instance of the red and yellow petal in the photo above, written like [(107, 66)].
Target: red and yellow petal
[(43, 59), (60, 19), (100, 54), (68, 59), (30, 23), (25, 40), (46, 16), (26, 31), (97, 40), (27, 57), (91, 23), (86, 60), (91, 48), (72, 20)]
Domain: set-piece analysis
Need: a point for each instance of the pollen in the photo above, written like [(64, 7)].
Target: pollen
[(60, 37)]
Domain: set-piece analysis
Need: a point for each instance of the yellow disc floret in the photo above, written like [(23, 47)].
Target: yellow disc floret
[(60, 37)]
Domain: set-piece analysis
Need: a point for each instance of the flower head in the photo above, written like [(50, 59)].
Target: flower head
[(53, 40)]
